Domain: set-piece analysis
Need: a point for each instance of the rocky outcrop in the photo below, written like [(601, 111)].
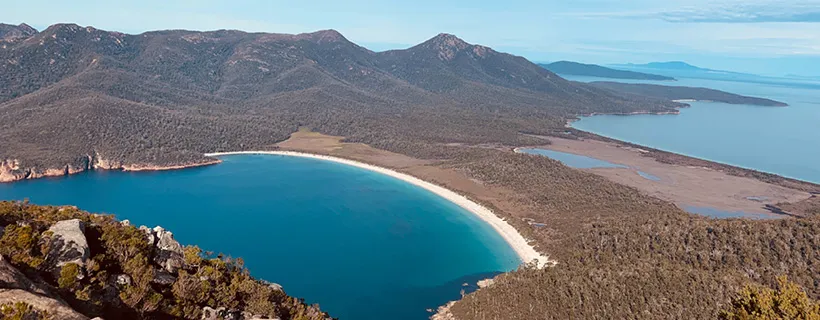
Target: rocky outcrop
[(56, 308), (67, 244), (273, 285), (163, 278), (209, 313), (12, 170), (16, 287), (168, 252)]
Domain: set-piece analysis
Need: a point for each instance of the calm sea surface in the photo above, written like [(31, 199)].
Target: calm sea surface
[(361, 244), (784, 141)]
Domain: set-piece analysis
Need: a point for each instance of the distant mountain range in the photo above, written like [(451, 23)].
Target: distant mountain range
[(75, 98), (677, 67), (592, 70)]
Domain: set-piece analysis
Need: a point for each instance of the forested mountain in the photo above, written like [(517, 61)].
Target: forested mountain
[(592, 70), (74, 98), (10, 32)]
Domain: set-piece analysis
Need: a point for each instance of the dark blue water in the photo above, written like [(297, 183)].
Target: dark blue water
[(572, 160), (784, 141), (361, 244)]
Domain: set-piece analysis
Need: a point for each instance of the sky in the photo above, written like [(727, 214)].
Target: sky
[(755, 36)]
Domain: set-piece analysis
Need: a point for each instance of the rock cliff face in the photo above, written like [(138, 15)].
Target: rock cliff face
[(12, 170)]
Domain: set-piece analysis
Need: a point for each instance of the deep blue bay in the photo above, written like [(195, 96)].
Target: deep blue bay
[(361, 244)]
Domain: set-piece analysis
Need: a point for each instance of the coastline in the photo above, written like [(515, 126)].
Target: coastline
[(7, 176), (525, 251), (688, 185)]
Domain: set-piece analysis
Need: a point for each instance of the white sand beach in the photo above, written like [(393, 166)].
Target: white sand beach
[(519, 244)]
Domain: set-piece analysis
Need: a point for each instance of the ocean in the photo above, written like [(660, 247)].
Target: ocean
[(360, 244), (779, 140)]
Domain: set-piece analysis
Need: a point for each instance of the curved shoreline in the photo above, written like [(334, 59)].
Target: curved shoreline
[(526, 252)]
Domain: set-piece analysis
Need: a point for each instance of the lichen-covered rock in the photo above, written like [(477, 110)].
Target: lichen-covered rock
[(209, 313), (168, 253), (163, 277), (273, 285), (123, 279), (67, 244), (223, 313)]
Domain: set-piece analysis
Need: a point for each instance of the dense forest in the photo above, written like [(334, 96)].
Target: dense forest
[(63, 263)]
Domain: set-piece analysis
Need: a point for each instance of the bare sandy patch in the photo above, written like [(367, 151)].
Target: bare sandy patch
[(682, 185)]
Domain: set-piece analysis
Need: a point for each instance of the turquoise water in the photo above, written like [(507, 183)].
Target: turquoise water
[(572, 160), (361, 244), (784, 141)]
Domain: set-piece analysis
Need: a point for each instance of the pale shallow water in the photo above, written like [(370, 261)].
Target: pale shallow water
[(584, 162), (723, 214), (361, 244), (572, 160)]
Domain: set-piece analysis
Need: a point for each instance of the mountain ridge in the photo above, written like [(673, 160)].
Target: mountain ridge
[(164, 98)]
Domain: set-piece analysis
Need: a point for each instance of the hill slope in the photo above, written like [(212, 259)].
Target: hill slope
[(592, 70), (76, 98), (686, 93)]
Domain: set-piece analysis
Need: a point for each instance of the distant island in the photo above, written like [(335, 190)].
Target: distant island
[(593, 70), (686, 93), (680, 68), (670, 65)]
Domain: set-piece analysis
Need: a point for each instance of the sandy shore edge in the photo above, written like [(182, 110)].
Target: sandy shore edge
[(517, 242)]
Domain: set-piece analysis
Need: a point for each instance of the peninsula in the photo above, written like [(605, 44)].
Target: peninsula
[(593, 70), (683, 94)]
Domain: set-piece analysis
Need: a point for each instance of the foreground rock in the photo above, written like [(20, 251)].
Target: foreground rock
[(87, 265), (169, 253), (16, 287), (209, 313), (67, 244)]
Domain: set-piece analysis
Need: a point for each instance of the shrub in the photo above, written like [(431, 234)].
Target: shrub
[(22, 311), (68, 276), (756, 302)]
